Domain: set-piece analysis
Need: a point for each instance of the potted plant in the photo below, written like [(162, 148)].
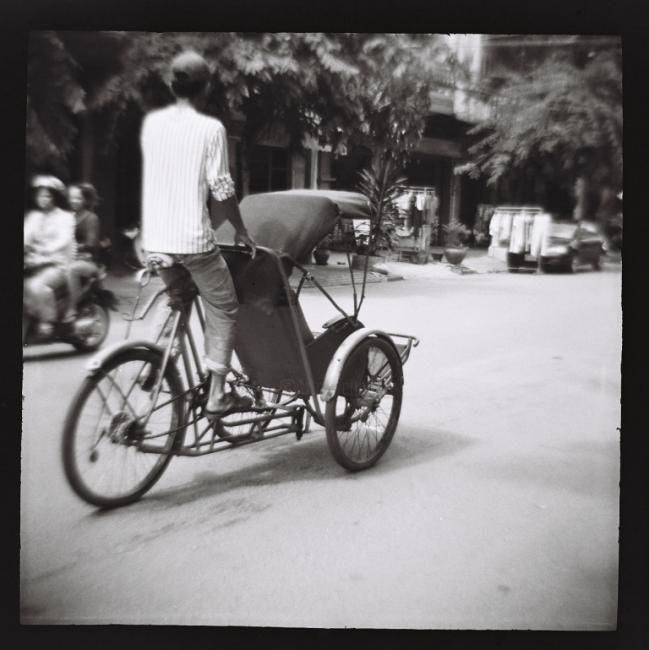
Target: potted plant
[(456, 235), (381, 184), (321, 251)]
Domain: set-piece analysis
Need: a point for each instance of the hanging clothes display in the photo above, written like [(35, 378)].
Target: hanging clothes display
[(403, 202), (430, 207), (419, 205), (417, 215), (412, 208)]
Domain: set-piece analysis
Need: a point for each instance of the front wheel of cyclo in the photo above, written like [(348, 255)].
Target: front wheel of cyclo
[(111, 457), (362, 417)]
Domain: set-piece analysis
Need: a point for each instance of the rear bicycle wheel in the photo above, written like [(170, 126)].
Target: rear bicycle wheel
[(362, 417), (111, 457)]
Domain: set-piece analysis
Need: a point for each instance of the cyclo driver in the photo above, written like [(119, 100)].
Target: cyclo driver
[(185, 165)]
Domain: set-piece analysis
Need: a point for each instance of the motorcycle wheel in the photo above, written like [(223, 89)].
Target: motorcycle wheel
[(97, 329)]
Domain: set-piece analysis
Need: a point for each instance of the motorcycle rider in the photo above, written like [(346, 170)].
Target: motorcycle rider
[(49, 249)]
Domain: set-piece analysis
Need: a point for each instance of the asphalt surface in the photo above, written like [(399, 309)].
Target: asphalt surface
[(495, 507)]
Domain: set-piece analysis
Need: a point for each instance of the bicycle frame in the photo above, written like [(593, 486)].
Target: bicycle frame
[(195, 388)]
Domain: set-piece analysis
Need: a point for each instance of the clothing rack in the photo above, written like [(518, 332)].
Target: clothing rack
[(418, 188), (516, 209)]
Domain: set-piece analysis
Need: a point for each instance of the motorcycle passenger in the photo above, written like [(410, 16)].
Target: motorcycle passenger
[(83, 199), (49, 249)]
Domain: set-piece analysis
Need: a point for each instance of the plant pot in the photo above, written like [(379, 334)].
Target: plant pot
[(437, 253), (320, 257), (455, 255)]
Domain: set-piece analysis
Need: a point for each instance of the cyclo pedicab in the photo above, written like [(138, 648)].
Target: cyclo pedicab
[(120, 434)]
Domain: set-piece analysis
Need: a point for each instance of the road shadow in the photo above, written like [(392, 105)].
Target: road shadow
[(53, 355), (277, 462)]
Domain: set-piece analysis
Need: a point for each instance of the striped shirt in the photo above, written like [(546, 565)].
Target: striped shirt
[(184, 158)]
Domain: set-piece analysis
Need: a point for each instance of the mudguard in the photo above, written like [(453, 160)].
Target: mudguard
[(107, 353), (332, 376)]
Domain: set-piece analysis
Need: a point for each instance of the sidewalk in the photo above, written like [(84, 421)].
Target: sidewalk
[(476, 261), (334, 274)]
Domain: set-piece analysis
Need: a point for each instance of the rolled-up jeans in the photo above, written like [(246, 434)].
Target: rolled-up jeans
[(210, 273)]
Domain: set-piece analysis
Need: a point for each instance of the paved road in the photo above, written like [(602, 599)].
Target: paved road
[(496, 505)]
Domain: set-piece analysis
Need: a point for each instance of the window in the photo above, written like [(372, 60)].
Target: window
[(269, 169)]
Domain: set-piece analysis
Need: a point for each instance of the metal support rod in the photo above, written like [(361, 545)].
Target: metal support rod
[(202, 376), (351, 273), (223, 445), (373, 233), (163, 369), (147, 307), (315, 282), (300, 285), (200, 311)]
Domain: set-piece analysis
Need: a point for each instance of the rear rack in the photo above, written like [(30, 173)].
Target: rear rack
[(404, 348)]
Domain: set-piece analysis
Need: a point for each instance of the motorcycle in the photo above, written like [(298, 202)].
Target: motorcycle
[(90, 327)]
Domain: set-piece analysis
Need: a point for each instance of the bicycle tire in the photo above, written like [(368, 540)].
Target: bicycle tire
[(341, 426), (118, 433)]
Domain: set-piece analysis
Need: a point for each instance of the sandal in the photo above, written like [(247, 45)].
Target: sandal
[(231, 402)]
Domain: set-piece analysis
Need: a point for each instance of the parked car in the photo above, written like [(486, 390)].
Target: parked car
[(569, 245)]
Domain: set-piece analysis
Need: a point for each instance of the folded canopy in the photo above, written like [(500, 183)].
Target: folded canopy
[(352, 205), (294, 221)]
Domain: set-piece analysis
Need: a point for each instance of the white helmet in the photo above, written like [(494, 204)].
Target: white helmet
[(49, 182)]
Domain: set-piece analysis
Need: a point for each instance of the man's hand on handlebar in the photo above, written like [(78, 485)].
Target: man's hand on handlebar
[(242, 237)]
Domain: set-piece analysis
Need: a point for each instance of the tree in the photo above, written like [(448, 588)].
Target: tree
[(371, 89), (54, 97), (64, 72), (382, 187), (560, 118)]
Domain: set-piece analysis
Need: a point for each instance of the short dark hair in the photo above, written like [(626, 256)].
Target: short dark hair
[(188, 89), (89, 193)]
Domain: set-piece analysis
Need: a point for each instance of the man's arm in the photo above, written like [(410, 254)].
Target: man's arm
[(228, 210), (223, 201)]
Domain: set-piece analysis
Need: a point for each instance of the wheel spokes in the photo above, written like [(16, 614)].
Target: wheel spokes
[(369, 421), (108, 434)]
